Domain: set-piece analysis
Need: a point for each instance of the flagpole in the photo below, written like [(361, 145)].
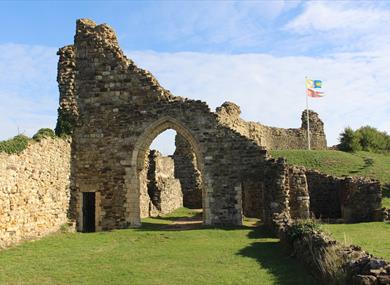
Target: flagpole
[(307, 118)]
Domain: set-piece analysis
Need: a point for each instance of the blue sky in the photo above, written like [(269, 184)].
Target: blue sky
[(254, 53)]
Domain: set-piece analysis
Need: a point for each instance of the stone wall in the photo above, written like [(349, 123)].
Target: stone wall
[(352, 199), (328, 260), (274, 138), (68, 110), (122, 108), (34, 191), (188, 174), (163, 188)]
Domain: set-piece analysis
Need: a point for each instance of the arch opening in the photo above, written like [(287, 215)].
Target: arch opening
[(159, 184)]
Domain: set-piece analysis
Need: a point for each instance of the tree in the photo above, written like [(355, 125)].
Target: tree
[(349, 140)]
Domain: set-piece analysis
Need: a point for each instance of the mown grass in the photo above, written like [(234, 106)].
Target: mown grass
[(373, 165), (372, 237), (157, 253)]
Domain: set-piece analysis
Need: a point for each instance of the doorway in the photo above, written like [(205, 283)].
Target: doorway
[(89, 212)]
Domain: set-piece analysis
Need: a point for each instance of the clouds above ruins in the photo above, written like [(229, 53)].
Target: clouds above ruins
[(255, 54)]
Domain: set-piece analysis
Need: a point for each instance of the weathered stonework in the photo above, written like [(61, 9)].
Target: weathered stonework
[(352, 199), (67, 111), (122, 108), (221, 160), (274, 138), (188, 174), (34, 191), (163, 188)]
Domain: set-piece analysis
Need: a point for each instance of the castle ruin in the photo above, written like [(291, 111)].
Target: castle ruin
[(114, 110)]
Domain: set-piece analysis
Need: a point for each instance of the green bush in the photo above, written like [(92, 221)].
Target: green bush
[(14, 145), (349, 141), (303, 227), (365, 138), (43, 133)]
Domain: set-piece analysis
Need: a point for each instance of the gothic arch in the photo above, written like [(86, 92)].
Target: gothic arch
[(136, 172)]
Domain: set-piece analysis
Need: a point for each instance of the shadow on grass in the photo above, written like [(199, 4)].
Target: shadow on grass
[(267, 252), (274, 257)]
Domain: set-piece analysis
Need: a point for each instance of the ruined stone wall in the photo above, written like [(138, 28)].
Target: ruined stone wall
[(188, 174), (252, 198), (67, 111), (285, 193), (274, 138), (352, 199), (163, 188), (122, 108), (34, 191)]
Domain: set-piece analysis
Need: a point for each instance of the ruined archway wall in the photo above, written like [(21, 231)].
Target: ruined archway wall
[(271, 137), (119, 105)]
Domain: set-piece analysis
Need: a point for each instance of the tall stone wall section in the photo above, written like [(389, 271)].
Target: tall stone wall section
[(122, 108), (67, 111), (34, 191), (188, 174), (274, 138), (163, 188)]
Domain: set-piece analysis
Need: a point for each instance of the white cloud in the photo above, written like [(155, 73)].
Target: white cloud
[(330, 16), (28, 89), (270, 89), (349, 26)]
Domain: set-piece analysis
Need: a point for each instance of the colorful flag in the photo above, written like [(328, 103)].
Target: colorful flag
[(309, 83), (314, 94), (314, 88), (317, 83)]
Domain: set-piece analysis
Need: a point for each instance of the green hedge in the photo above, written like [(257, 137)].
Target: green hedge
[(15, 145)]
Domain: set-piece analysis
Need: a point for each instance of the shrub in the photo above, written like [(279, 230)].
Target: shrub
[(303, 227), (372, 140), (15, 145), (349, 141), (365, 138), (43, 133)]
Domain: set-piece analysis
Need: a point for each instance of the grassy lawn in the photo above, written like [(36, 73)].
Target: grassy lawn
[(160, 252), (372, 237), (340, 163)]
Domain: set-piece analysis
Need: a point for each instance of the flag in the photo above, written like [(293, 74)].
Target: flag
[(314, 94), (309, 83), (314, 88), (317, 83)]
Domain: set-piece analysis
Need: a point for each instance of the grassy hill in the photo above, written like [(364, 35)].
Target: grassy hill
[(340, 163)]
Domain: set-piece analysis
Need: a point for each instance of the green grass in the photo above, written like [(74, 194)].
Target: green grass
[(157, 253), (372, 237), (340, 163)]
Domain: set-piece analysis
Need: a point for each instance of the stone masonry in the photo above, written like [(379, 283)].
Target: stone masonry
[(274, 138), (163, 188), (34, 191), (352, 199), (188, 174), (121, 109), (117, 111)]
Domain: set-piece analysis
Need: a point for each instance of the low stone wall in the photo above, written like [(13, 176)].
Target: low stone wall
[(352, 199), (163, 188), (34, 191), (330, 261)]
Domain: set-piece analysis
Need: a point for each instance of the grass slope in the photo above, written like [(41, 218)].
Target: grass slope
[(373, 237), (340, 163), (156, 253)]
